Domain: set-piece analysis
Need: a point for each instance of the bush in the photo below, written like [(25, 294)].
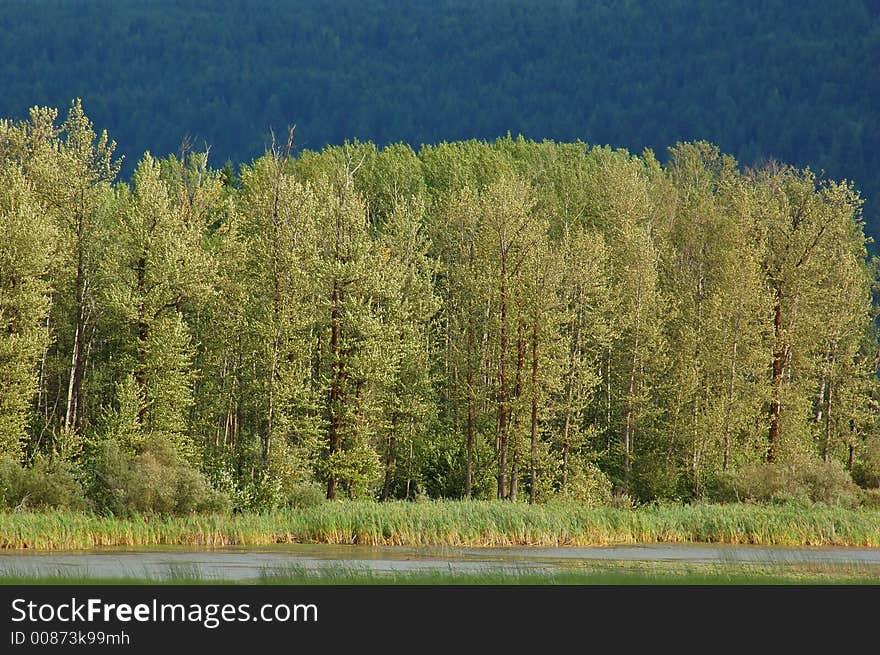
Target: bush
[(587, 484), (802, 482), (47, 484), (305, 495), (151, 481), (867, 470), (870, 498), (653, 476), (621, 500)]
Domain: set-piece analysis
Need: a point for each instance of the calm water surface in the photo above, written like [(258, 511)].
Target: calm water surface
[(242, 564)]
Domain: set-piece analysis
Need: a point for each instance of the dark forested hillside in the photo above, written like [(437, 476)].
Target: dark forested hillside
[(771, 80)]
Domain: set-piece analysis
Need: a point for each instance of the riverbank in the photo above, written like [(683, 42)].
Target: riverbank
[(454, 523)]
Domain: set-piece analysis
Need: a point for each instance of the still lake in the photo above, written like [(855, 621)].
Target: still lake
[(249, 564)]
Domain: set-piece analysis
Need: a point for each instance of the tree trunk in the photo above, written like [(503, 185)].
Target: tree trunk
[(42, 393), (850, 460), (628, 427), (469, 474), (389, 464), (469, 477), (820, 398), (514, 472), (565, 448), (334, 435), (143, 329), (518, 393), (70, 416), (728, 413), (826, 446), (566, 424), (778, 363), (608, 394), (409, 470), (503, 393), (73, 383), (266, 437), (534, 454)]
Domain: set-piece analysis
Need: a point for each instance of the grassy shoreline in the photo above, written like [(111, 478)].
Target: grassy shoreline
[(454, 523)]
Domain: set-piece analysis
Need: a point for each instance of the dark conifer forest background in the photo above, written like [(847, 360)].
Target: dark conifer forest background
[(796, 82)]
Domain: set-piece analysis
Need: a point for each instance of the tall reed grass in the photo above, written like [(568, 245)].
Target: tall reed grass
[(454, 523)]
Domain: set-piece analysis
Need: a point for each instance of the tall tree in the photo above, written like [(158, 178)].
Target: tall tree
[(28, 240), (717, 326), (71, 169), (508, 233), (353, 359), (159, 270), (800, 219), (581, 398), (410, 305)]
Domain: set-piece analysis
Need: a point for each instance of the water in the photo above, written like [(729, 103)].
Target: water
[(244, 564)]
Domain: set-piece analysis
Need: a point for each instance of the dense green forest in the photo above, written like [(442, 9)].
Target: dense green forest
[(796, 82), (512, 319)]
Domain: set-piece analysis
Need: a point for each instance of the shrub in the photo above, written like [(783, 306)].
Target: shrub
[(151, 481), (830, 483), (305, 495), (621, 500), (870, 498), (46, 484), (867, 470), (799, 482), (587, 484), (653, 476), (358, 471), (749, 483)]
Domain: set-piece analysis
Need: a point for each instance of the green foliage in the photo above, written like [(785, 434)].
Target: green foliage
[(358, 470), (509, 319), (804, 482), (151, 481), (434, 467), (587, 484), (24, 304), (871, 498), (121, 423), (867, 470), (304, 495), (47, 484)]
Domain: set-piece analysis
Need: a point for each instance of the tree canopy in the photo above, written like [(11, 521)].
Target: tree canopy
[(511, 319)]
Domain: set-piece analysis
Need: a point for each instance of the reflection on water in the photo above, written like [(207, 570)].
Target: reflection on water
[(242, 564)]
